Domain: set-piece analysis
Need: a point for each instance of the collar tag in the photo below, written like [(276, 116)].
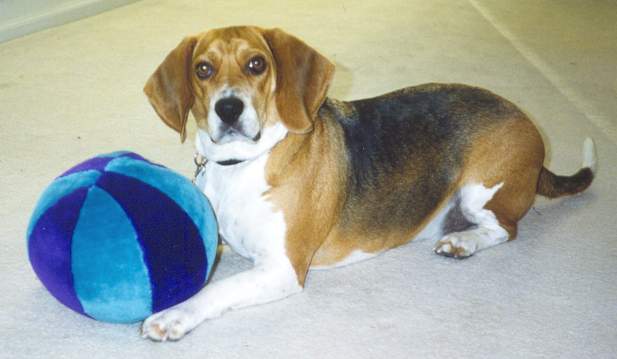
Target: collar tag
[(200, 163)]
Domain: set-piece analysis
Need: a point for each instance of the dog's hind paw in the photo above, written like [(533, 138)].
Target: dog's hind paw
[(456, 246)]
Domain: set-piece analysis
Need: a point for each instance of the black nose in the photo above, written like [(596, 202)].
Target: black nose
[(229, 109)]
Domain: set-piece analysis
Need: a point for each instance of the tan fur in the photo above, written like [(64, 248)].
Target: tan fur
[(169, 90), (302, 80), (512, 153), (306, 174), (340, 243)]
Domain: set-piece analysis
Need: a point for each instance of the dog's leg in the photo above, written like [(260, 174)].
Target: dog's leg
[(266, 282), (487, 230)]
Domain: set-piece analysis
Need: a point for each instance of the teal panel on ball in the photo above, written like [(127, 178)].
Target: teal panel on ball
[(110, 276), (181, 190), (59, 188)]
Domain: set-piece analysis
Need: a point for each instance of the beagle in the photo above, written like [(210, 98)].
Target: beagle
[(299, 181)]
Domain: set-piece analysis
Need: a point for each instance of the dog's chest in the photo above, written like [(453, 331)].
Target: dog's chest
[(247, 221)]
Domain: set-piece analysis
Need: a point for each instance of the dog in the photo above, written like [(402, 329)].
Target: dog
[(301, 181)]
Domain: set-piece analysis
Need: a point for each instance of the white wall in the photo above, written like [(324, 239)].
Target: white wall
[(21, 17), (15, 9)]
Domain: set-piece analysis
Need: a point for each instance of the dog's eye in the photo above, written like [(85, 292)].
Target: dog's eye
[(256, 65), (204, 70)]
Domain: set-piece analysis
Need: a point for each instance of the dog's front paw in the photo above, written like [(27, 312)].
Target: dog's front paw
[(455, 245), (170, 324)]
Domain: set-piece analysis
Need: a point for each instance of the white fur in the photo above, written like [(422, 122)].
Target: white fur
[(254, 229), (487, 233), (236, 194), (590, 158), (240, 150), (353, 257)]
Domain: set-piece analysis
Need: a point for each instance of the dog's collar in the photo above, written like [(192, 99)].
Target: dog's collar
[(200, 163), (229, 162)]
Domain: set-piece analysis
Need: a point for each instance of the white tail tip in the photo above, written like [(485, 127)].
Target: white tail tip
[(590, 159)]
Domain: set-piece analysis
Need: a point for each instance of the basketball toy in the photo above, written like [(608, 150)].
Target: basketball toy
[(117, 238)]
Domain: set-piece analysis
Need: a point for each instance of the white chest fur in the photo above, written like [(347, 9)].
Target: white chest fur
[(247, 221)]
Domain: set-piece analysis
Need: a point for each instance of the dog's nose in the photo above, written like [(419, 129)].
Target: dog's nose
[(229, 109)]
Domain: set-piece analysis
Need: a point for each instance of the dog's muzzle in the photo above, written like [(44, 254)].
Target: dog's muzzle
[(237, 120)]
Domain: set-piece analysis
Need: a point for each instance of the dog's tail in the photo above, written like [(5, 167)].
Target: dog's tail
[(552, 186)]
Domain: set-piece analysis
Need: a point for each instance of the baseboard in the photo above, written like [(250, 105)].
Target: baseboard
[(58, 16)]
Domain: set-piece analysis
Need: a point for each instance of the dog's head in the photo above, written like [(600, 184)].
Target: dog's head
[(246, 87)]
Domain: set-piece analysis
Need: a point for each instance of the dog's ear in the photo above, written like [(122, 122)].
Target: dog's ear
[(302, 80), (169, 87)]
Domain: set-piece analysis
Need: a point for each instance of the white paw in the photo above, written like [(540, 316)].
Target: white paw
[(455, 245), (170, 324)]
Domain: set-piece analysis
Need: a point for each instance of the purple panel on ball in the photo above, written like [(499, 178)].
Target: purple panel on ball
[(49, 248)]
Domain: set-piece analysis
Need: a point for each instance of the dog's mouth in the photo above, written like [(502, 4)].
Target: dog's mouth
[(226, 134)]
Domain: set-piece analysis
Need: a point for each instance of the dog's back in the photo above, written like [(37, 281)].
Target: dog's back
[(406, 149)]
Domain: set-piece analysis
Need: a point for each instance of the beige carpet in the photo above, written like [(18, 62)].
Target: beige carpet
[(75, 91)]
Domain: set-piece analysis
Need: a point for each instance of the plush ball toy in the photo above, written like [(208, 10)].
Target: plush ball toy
[(118, 238)]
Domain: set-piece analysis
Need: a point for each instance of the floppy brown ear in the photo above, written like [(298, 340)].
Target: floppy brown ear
[(302, 79), (169, 87)]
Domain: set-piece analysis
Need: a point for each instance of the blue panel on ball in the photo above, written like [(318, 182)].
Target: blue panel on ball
[(114, 154), (59, 188), (129, 154), (93, 164), (49, 247), (168, 236), (98, 163), (183, 192), (110, 277)]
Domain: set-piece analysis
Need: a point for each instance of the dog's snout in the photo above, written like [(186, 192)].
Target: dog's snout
[(229, 109)]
